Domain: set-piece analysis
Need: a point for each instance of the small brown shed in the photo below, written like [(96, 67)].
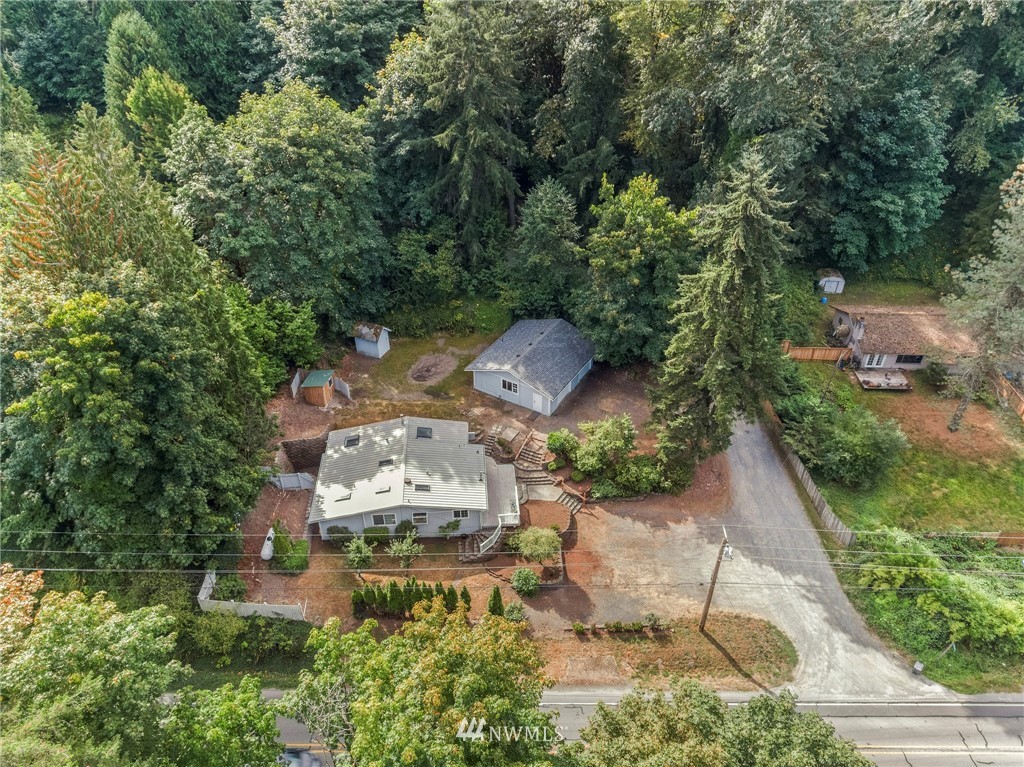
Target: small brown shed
[(318, 388)]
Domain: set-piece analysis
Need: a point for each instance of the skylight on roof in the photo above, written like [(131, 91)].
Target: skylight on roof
[(424, 432), (381, 490), (352, 441), (423, 488), (386, 462)]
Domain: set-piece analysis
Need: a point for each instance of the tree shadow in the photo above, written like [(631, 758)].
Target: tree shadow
[(735, 664)]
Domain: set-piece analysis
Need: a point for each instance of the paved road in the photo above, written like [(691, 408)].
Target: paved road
[(781, 572), (963, 733)]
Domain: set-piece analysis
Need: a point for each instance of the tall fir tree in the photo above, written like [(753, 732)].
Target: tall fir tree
[(495, 605), (132, 45), (547, 261), (990, 299), (471, 70), (724, 360)]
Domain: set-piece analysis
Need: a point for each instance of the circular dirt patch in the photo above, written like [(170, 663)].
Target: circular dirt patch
[(431, 368)]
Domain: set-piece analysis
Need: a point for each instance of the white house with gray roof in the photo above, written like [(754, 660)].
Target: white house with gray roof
[(536, 363), (423, 470)]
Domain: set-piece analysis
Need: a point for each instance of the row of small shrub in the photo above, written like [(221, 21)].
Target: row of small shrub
[(394, 600), (605, 455), (289, 555), (340, 536), (251, 640), (837, 440), (650, 621)]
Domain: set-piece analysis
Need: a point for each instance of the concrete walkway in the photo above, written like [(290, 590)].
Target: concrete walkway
[(780, 571)]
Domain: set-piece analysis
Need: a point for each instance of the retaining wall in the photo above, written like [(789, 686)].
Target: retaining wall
[(243, 609)]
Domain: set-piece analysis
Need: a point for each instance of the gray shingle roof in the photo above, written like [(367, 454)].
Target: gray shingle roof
[(546, 354)]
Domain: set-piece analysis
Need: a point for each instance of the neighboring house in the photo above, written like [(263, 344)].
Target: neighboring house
[(419, 469), (318, 387), (831, 281), (903, 337), (372, 340), (536, 363)]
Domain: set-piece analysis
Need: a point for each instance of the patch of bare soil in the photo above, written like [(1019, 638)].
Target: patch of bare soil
[(545, 514), (924, 419), (431, 368), (295, 418), (740, 652)]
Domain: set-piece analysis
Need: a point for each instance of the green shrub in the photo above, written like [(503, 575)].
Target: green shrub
[(282, 540), (230, 588), (607, 442), (848, 446), (495, 606), (448, 529), (339, 536), (605, 488), (298, 558), (579, 628), (515, 612), (577, 476), (273, 637), (537, 544), (563, 443), (556, 464), (525, 582), (215, 633), (404, 528), (466, 599), (614, 627), (936, 375), (375, 535), (639, 475)]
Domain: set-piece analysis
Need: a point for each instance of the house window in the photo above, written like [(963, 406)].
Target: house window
[(352, 441), (424, 432), (909, 359), (423, 488), (382, 520), (873, 360), (419, 517), (386, 462), (460, 514), (510, 386)]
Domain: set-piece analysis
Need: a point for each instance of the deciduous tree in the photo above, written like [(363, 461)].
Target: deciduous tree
[(637, 250)]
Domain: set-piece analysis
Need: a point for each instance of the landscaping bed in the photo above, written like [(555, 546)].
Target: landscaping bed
[(739, 652)]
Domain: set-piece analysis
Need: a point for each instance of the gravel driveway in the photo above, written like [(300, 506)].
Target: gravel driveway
[(780, 571)]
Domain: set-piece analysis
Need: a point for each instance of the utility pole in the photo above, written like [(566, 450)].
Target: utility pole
[(724, 552)]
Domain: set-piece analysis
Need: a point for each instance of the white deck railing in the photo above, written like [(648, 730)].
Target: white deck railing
[(509, 519)]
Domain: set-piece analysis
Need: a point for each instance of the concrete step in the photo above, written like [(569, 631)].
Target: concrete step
[(571, 502)]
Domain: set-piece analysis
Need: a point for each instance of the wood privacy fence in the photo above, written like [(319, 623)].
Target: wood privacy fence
[(799, 472), (815, 353), (1011, 394), (294, 612)]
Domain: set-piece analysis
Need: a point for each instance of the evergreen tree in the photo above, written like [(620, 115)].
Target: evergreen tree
[(339, 45), (132, 45), (470, 72), (466, 599), (547, 261), (451, 599), (990, 297), (637, 250), (724, 360), (495, 606), (154, 105), (395, 599)]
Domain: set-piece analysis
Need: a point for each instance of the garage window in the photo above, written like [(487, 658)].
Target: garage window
[(510, 386), (909, 359)]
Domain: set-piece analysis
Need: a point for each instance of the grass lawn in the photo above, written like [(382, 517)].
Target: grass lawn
[(738, 652), (886, 293), (277, 672)]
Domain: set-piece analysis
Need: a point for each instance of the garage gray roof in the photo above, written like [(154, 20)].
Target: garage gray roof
[(415, 462), (546, 354)]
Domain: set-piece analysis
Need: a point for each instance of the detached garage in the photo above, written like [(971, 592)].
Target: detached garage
[(535, 364)]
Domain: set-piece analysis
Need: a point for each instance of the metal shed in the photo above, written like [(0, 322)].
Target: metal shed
[(831, 281)]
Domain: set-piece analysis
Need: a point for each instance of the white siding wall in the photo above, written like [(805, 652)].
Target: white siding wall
[(571, 385), (490, 383), (435, 518)]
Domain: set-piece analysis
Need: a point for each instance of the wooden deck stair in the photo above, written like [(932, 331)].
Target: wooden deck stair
[(469, 546)]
